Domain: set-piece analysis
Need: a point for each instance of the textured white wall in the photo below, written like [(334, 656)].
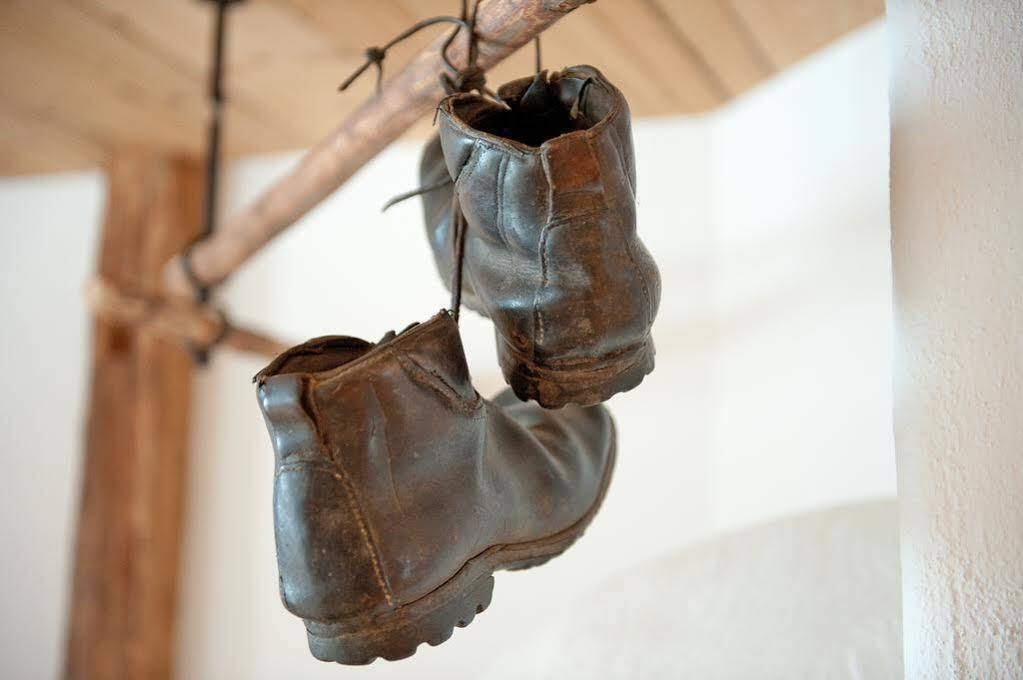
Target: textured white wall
[(768, 220), (957, 237)]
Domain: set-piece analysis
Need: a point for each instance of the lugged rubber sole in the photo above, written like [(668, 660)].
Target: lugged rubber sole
[(585, 383), (432, 618)]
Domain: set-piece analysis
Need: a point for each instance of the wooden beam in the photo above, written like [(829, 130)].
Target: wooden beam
[(503, 26), (190, 324), (126, 561)]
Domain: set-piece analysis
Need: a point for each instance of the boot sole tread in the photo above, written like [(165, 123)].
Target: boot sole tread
[(398, 633)]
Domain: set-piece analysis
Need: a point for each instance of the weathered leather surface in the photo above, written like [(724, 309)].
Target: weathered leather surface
[(551, 253), (392, 472)]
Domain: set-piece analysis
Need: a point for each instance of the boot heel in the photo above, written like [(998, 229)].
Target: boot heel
[(397, 633), (585, 383)]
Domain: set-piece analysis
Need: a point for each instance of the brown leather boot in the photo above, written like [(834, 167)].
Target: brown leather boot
[(546, 185), (399, 490)]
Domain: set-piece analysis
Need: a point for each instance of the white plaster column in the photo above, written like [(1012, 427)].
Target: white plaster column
[(957, 257)]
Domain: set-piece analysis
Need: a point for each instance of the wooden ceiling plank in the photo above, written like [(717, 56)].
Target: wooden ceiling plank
[(309, 75), (663, 56), (590, 36), (70, 80), (30, 146), (790, 30), (725, 41), (91, 73), (357, 25), (66, 66), (180, 35), (354, 25)]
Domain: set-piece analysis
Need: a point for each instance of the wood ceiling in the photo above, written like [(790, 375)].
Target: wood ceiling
[(78, 77)]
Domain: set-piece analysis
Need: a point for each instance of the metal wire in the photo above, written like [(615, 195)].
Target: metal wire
[(212, 188)]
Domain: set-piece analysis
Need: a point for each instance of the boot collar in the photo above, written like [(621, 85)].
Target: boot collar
[(331, 356), (601, 104)]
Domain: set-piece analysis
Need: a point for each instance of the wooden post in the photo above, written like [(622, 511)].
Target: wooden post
[(126, 562)]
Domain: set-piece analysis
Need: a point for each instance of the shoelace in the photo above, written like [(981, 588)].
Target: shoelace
[(463, 80), (468, 79)]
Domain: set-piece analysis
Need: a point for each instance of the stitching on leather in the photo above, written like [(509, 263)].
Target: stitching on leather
[(628, 241), (538, 323), (471, 156), (303, 457), (586, 213), (342, 475), (600, 171), (308, 402), (621, 160), (386, 443), (642, 281), (436, 382), (363, 529), (538, 314), (502, 170), (466, 129)]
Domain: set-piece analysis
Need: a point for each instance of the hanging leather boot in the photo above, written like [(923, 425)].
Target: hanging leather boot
[(398, 490), (546, 184)]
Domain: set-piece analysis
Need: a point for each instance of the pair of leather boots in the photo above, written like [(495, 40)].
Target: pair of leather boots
[(399, 490)]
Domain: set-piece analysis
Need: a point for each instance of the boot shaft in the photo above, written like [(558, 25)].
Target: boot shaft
[(552, 250)]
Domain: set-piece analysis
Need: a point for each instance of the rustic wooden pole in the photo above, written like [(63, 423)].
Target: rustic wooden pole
[(126, 561), (503, 27)]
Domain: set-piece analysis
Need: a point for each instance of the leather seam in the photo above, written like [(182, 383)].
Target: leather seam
[(539, 331), (502, 171), (472, 157), (628, 246), (315, 417), (434, 381), (336, 470), (600, 172), (342, 475), (538, 323), (621, 160), (464, 128), (642, 281), (572, 218)]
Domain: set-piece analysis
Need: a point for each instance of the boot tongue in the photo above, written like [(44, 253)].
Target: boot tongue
[(538, 99), (389, 336), (539, 113)]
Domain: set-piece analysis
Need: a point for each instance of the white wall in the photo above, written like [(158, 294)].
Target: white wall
[(957, 246), (769, 222), (49, 230), (803, 277)]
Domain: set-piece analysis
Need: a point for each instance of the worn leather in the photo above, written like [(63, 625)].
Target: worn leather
[(392, 472), (547, 187)]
